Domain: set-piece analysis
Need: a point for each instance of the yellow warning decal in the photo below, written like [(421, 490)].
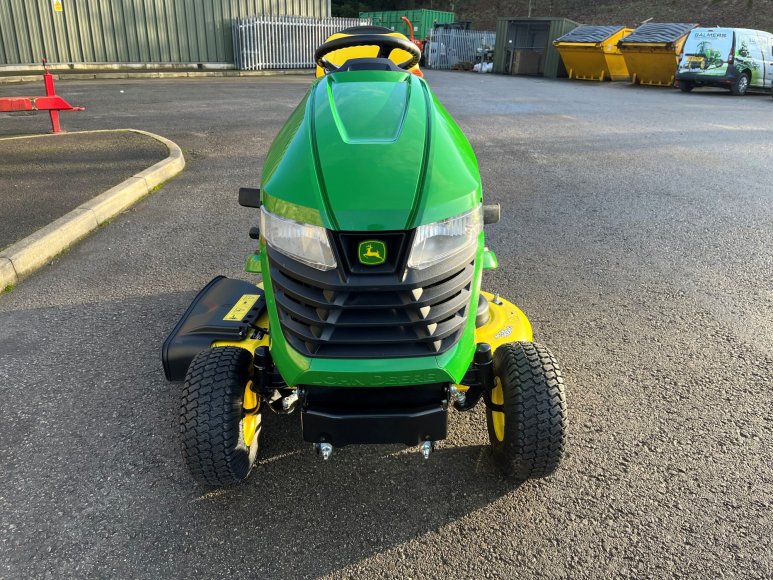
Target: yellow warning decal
[(242, 307)]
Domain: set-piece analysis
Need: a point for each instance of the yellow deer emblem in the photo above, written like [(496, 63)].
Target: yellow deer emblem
[(372, 252)]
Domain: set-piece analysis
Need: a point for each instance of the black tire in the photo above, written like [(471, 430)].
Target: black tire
[(211, 415), (740, 85), (534, 405), (686, 86)]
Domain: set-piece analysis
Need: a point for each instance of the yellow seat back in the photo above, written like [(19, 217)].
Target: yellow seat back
[(339, 57)]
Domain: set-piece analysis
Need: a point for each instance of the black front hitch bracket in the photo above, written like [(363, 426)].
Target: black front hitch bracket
[(480, 379), (268, 384)]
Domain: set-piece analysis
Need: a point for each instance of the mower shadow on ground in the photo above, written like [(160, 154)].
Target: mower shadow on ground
[(364, 501)]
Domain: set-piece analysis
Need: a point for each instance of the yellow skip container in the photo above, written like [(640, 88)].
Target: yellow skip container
[(591, 53), (652, 52)]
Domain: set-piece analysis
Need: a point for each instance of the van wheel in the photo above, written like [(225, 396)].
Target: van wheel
[(740, 85), (686, 86)]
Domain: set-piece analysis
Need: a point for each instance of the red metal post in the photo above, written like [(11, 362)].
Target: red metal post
[(55, 126), (48, 81)]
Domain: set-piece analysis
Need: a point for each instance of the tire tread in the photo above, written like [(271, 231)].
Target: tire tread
[(535, 411), (210, 416)]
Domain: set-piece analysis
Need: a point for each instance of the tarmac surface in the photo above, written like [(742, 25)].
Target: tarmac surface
[(43, 178), (637, 231)]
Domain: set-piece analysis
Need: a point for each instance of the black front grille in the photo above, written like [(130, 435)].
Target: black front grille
[(386, 313)]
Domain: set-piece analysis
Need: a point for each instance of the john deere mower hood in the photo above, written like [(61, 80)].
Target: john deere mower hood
[(374, 150)]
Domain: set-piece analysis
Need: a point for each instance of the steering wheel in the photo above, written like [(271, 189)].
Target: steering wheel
[(386, 44)]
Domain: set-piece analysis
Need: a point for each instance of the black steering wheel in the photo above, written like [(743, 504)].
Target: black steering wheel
[(386, 44)]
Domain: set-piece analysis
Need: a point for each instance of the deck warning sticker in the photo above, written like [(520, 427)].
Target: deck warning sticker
[(241, 308)]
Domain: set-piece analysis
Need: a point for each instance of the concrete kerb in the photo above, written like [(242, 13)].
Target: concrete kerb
[(7, 274), (25, 256)]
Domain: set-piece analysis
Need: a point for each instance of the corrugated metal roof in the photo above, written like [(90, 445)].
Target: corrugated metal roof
[(658, 32), (589, 33)]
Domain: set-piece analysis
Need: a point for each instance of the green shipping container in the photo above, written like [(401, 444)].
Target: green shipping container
[(422, 20)]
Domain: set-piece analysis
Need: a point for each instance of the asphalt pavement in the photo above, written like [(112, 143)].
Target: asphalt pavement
[(636, 233), (42, 178)]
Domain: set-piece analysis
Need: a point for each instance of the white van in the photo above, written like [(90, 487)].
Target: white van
[(738, 59)]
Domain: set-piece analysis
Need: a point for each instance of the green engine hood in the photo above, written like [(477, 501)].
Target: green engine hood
[(370, 151)]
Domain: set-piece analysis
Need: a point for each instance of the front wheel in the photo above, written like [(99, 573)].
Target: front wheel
[(740, 85), (220, 420), (527, 434)]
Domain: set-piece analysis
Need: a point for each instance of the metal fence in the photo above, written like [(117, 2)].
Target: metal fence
[(447, 49), (283, 42)]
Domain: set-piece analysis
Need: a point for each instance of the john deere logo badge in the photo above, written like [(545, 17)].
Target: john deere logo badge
[(372, 252)]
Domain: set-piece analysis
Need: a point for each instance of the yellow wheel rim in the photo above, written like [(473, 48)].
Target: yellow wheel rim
[(497, 417), (251, 419)]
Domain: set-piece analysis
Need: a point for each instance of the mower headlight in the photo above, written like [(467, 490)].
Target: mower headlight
[(304, 242), (437, 241)]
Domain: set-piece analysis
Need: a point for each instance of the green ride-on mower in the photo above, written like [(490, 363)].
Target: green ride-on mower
[(370, 320)]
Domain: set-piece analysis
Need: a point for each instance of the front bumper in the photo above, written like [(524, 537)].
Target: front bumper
[(408, 415)]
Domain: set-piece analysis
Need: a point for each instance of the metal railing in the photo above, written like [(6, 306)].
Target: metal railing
[(448, 49), (283, 42)]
